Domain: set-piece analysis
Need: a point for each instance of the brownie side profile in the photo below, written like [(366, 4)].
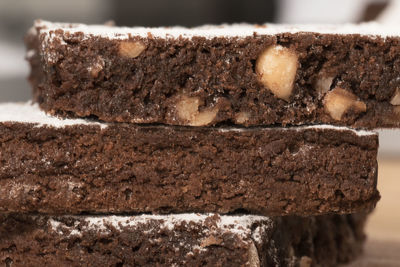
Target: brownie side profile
[(180, 240), (233, 74), (57, 166)]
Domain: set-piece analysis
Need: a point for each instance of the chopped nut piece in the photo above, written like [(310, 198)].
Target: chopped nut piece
[(338, 101), (242, 117), (188, 107), (210, 240), (96, 67), (396, 98), (254, 260), (323, 84), (397, 111), (204, 117), (188, 110), (131, 49), (276, 68)]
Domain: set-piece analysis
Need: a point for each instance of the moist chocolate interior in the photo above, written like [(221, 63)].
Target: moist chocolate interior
[(125, 168), (322, 240), (220, 73)]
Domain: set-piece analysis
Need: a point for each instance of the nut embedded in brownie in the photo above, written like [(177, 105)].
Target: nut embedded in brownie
[(233, 74)]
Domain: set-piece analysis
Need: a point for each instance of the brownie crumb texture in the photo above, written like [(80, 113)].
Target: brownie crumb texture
[(240, 74), (181, 240), (57, 166)]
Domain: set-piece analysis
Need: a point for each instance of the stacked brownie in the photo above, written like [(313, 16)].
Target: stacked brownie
[(232, 145)]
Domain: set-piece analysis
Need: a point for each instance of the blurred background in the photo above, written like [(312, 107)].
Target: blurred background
[(17, 16)]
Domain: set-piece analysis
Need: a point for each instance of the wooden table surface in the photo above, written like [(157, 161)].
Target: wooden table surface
[(383, 228)]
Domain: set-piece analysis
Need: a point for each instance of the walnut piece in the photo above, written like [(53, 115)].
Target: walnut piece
[(210, 240), (254, 260), (242, 117), (131, 49), (204, 117), (188, 107), (96, 67), (276, 68), (323, 84), (396, 98), (397, 110), (188, 110), (338, 101)]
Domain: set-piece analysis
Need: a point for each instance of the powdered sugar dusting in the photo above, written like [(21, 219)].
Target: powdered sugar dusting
[(211, 31), (55, 225), (238, 225), (358, 132), (338, 128), (61, 228), (206, 231), (31, 113)]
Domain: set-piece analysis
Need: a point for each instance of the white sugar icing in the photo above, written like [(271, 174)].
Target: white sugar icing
[(31, 113), (358, 132), (225, 30), (337, 128)]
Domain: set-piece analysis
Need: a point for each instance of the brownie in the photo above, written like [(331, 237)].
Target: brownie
[(230, 74), (180, 240), (57, 166)]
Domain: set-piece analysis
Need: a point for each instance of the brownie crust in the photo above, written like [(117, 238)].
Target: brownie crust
[(117, 168), (348, 79), (161, 241)]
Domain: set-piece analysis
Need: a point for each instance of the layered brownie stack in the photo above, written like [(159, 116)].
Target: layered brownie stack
[(235, 145)]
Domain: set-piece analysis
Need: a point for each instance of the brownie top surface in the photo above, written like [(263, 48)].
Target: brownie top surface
[(31, 113), (210, 31)]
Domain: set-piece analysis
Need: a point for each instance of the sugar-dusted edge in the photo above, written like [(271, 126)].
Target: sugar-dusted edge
[(358, 132), (242, 30), (237, 224), (29, 112)]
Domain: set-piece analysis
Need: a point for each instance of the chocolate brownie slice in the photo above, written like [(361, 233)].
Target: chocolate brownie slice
[(58, 166), (180, 240), (238, 74)]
